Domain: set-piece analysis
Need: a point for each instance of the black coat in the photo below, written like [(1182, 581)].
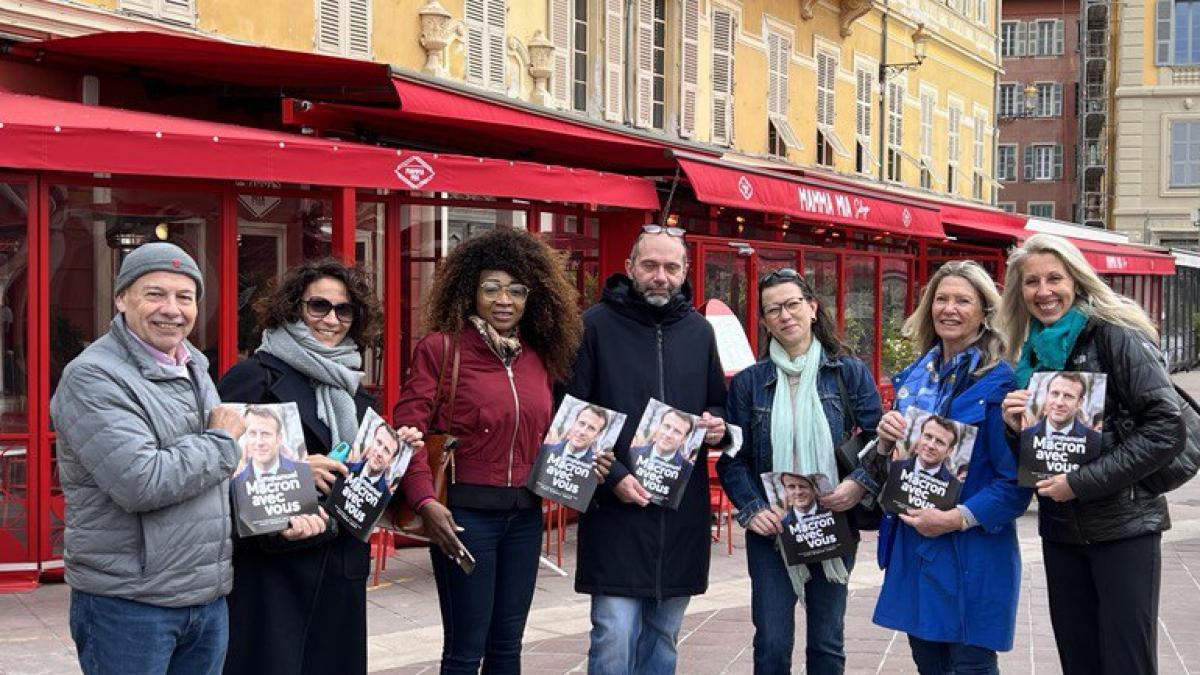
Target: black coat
[(632, 352), (1143, 431), (296, 607)]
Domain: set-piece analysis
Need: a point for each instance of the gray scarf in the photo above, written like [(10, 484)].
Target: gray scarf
[(335, 373)]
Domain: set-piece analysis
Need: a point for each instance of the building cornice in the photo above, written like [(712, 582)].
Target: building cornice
[(70, 19)]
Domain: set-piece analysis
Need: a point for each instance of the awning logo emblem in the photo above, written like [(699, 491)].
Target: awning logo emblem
[(415, 172), (745, 188), (906, 217)]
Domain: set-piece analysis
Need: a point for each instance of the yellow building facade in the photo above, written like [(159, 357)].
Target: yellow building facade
[(793, 81)]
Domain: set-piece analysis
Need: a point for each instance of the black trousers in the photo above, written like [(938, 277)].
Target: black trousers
[(1104, 604)]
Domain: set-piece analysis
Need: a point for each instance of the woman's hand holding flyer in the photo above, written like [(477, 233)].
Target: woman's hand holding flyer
[(892, 428), (844, 497), (933, 522), (325, 472), (1013, 408), (306, 525), (1056, 488)]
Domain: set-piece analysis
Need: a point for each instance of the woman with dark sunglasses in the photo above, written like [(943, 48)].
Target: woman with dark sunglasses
[(793, 411), (299, 604)]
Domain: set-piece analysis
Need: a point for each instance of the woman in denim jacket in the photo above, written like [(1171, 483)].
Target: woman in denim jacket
[(795, 429), (952, 577)]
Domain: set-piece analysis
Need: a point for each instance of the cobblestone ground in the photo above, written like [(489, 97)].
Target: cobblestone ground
[(405, 632)]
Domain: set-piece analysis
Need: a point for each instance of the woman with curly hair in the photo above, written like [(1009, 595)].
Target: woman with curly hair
[(299, 601), (503, 303)]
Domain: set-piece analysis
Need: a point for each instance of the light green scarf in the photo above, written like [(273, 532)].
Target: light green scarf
[(801, 441)]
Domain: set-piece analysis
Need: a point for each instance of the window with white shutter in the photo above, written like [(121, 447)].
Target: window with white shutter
[(1007, 103), (780, 135), (561, 26), (614, 60), (1177, 32), (1040, 162), (928, 104), (953, 135), (980, 130), (175, 11), (723, 31), (864, 83), (828, 141), (486, 26), (1041, 209), (689, 82), (981, 12), (895, 134), (344, 27), (1006, 162), (1046, 37), (643, 62), (1184, 156), (1010, 44)]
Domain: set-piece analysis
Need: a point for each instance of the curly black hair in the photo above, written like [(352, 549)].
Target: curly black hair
[(281, 303), (552, 324)]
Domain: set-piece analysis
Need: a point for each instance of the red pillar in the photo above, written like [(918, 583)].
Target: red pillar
[(345, 222)]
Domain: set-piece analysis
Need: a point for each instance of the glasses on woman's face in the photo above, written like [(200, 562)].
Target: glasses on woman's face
[(318, 308), (676, 232), (493, 289), (792, 307)]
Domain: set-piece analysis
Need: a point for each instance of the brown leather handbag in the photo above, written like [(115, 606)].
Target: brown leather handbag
[(439, 446)]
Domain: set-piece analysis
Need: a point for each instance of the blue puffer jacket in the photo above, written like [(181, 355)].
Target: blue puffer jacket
[(751, 395), (962, 587)]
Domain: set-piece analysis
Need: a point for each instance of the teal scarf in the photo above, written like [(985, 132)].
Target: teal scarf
[(801, 441), (1047, 347)]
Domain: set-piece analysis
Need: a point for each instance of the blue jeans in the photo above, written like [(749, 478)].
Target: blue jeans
[(118, 636), (952, 658), (773, 609), (634, 635), (484, 613)]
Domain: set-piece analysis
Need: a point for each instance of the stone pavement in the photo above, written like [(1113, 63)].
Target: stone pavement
[(405, 631)]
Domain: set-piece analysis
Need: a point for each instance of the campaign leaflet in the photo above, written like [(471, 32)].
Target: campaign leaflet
[(929, 465), (663, 452), (377, 462), (563, 471), (811, 532), (272, 482), (1061, 426)]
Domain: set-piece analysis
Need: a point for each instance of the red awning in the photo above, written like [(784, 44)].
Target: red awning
[(769, 192), (982, 222), (48, 134), (199, 60), (1109, 258)]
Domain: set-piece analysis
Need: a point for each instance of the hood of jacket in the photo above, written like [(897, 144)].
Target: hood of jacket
[(625, 300)]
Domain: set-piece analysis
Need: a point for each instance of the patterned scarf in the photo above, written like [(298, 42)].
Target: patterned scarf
[(930, 384), (505, 348), (335, 372)]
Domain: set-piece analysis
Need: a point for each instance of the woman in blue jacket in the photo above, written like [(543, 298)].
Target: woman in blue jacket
[(792, 411), (952, 577)]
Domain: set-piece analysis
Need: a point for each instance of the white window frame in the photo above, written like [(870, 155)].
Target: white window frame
[(864, 101), (1007, 207), (979, 138), (894, 156), (1002, 165), (928, 110), (1010, 99), (723, 20), (1190, 165), (1030, 206), (562, 22), (1046, 37), (1049, 99), (1043, 162), (689, 59)]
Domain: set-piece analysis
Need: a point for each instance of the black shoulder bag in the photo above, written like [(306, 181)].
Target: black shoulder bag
[(847, 452)]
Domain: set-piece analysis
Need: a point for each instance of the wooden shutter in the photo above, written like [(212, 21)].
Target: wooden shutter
[(329, 26), (561, 28), (689, 83), (614, 59), (145, 7), (827, 66), (183, 11), (1029, 172), (1059, 37), (1032, 47), (359, 28), (643, 59), (1058, 162), (862, 95), (722, 85), (1021, 37), (1058, 99), (473, 21), (953, 134), (1164, 18), (497, 51)]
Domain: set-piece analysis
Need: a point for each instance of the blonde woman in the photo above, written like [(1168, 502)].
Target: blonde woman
[(952, 577), (1101, 530)]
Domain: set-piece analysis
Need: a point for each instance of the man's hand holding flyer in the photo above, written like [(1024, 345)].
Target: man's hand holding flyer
[(663, 452), (565, 470)]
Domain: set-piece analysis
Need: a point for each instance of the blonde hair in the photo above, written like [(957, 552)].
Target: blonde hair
[(1093, 297), (918, 327)]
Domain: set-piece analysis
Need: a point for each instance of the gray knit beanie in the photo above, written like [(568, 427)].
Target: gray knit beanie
[(158, 256)]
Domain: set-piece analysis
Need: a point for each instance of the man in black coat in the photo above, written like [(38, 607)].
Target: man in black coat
[(642, 563)]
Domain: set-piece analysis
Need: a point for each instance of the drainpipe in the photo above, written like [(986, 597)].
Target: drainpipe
[(883, 48), (993, 190)]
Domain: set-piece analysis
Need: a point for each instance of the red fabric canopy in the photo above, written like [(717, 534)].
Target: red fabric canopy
[(1109, 258), (745, 188), (193, 59), (983, 222), (40, 133)]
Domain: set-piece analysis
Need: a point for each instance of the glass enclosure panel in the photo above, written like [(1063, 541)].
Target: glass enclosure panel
[(821, 270), (897, 352), (860, 306), (579, 238), (14, 502), (274, 233), (14, 307), (725, 278), (769, 260), (91, 231), (371, 218)]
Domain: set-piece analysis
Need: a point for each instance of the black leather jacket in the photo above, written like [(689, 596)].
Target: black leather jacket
[(1143, 431)]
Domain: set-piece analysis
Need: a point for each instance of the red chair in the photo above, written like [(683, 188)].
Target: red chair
[(554, 515), (383, 544), (718, 502)]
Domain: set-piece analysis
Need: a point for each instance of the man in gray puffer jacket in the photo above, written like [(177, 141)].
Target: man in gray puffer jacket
[(145, 453)]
